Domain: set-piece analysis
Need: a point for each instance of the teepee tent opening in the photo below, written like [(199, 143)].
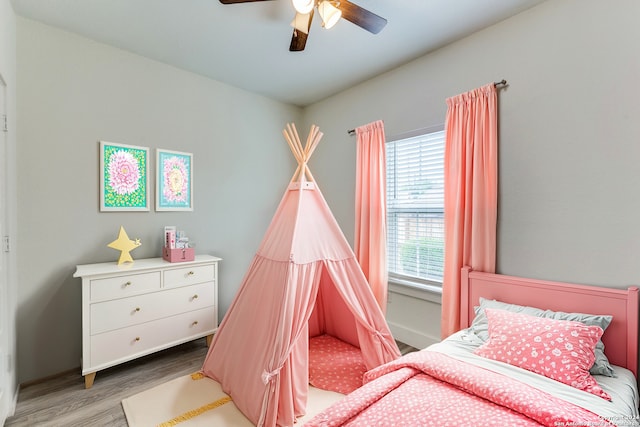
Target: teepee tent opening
[(304, 281)]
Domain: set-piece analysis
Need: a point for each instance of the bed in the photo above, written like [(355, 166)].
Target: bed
[(530, 353)]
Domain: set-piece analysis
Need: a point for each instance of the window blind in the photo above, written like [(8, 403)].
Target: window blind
[(415, 207)]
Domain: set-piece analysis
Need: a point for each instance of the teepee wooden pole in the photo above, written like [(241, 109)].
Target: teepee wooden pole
[(309, 176), (295, 174), (317, 137), (312, 142), (296, 140), (289, 136), (312, 132), (295, 152), (309, 143), (305, 165), (300, 152)]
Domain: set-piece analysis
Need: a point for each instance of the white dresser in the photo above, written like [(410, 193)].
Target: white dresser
[(138, 308)]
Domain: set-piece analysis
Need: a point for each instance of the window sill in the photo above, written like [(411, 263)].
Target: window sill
[(431, 293)]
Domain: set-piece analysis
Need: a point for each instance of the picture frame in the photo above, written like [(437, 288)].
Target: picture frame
[(124, 177), (174, 180)]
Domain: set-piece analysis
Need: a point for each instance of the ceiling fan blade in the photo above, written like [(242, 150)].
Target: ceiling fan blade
[(300, 34), (298, 41), (361, 17), (239, 1)]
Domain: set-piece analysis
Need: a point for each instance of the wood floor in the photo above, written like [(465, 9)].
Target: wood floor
[(64, 402)]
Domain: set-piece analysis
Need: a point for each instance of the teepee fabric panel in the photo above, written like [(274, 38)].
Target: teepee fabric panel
[(256, 354), (304, 230), (374, 337), (331, 315)]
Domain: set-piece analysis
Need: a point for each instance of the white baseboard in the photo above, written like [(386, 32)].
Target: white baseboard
[(11, 410), (14, 402), (411, 337)]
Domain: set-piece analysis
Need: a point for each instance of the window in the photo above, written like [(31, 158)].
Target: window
[(415, 209)]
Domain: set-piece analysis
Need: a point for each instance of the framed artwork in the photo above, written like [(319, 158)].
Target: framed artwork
[(174, 187), (124, 177)]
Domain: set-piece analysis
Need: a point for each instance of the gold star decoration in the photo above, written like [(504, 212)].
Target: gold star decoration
[(125, 245)]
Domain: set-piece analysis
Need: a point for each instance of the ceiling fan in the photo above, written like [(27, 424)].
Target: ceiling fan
[(330, 11)]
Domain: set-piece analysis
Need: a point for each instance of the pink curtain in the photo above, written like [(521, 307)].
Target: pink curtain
[(471, 193), (371, 208)]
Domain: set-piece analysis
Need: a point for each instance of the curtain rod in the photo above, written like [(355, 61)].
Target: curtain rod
[(502, 82)]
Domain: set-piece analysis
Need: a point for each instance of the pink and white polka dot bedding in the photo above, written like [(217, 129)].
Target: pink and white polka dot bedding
[(335, 365), (429, 388)]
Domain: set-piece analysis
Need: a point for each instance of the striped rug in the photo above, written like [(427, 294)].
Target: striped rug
[(195, 401)]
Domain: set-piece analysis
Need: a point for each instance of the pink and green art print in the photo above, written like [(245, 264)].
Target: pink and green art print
[(124, 178), (174, 187)]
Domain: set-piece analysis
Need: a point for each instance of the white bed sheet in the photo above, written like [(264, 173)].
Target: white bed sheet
[(622, 410)]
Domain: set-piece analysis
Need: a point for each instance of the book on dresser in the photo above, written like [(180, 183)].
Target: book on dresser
[(134, 309)]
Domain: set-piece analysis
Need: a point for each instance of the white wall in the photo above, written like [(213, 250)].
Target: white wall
[(569, 148), (8, 386), (74, 92)]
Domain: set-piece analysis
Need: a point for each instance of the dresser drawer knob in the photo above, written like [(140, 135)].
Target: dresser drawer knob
[(194, 323), (195, 297), (127, 284), (191, 273), (137, 309), (137, 339)]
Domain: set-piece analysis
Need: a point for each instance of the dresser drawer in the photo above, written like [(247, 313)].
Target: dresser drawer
[(122, 344), (120, 313), (189, 275), (124, 286)]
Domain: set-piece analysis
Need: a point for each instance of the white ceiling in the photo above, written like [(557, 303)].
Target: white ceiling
[(247, 45)]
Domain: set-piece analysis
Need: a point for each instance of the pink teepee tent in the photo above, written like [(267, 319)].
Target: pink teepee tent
[(304, 281)]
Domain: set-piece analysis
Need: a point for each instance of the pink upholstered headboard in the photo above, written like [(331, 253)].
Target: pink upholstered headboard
[(620, 338)]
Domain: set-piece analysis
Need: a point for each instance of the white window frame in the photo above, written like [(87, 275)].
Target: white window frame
[(432, 204)]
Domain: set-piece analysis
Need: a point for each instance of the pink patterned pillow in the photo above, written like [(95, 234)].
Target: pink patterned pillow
[(559, 349)]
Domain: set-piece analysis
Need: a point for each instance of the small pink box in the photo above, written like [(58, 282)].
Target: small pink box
[(178, 255)]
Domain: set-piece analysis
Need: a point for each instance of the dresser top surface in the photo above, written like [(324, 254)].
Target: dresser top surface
[(138, 265)]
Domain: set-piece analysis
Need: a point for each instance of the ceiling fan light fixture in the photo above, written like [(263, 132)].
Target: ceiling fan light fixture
[(329, 13), (301, 22), (303, 6)]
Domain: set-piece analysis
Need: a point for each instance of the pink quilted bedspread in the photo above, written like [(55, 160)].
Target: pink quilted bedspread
[(428, 388)]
